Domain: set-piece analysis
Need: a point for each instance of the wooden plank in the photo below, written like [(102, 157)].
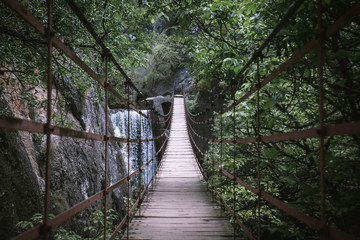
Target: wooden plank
[(178, 205)]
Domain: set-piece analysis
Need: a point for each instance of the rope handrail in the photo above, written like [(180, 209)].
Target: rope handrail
[(277, 28), (330, 31)]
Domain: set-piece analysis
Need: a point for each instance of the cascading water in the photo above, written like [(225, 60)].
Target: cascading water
[(140, 153)]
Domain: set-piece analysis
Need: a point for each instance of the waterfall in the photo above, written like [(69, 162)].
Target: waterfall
[(139, 154)]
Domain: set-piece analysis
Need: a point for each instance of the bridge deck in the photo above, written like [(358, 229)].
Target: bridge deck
[(178, 205)]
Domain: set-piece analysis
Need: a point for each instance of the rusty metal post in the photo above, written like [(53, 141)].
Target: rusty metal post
[(258, 143), (128, 157), (106, 138), (147, 152), (48, 123), (140, 174), (221, 151), (234, 152), (321, 120)]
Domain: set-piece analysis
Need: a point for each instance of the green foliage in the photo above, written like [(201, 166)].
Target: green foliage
[(219, 38), (36, 219), (23, 52), (95, 228), (162, 64)]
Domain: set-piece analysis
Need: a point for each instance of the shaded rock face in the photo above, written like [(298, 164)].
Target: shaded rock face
[(160, 104), (204, 100), (20, 191), (77, 167), (183, 81), (178, 81)]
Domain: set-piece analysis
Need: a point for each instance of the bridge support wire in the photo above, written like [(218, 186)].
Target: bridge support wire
[(49, 35), (106, 138), (323, 230), (258, 139)]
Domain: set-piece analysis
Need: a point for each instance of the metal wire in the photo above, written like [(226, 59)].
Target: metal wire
[(106, 138), (48, 121), (128, 159), (258, 139), (321, 121), (234, 152)]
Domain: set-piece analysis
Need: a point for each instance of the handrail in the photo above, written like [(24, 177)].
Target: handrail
[(334, 130)]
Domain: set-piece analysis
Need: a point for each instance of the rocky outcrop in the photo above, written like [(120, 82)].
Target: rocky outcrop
[(183, 81), (77, 165), (160, 104), (21, 185)]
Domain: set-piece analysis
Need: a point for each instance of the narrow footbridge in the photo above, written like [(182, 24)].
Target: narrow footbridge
[(176, 204), (179, 205)]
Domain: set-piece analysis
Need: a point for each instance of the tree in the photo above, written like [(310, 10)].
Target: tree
[(220, 37)]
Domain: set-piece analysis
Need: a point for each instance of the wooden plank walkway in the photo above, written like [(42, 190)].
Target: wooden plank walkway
[(178, 205)]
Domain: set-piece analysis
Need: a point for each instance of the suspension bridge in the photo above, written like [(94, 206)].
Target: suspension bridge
[(178, 205)]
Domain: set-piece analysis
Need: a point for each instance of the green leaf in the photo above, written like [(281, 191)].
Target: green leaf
[(237, 69), (271, 152), (342, 54)]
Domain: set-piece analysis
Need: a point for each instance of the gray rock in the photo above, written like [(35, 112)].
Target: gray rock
[(77, 169)]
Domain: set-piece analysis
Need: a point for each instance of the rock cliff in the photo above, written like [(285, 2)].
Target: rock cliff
[(77, 165)]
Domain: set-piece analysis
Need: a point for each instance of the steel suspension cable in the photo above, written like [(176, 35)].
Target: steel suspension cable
[(321, 120), (147, 153), (234, 151), (49, 35), (128, 158), (140, 152), (258, 139), (221, 150), (106, 138)]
